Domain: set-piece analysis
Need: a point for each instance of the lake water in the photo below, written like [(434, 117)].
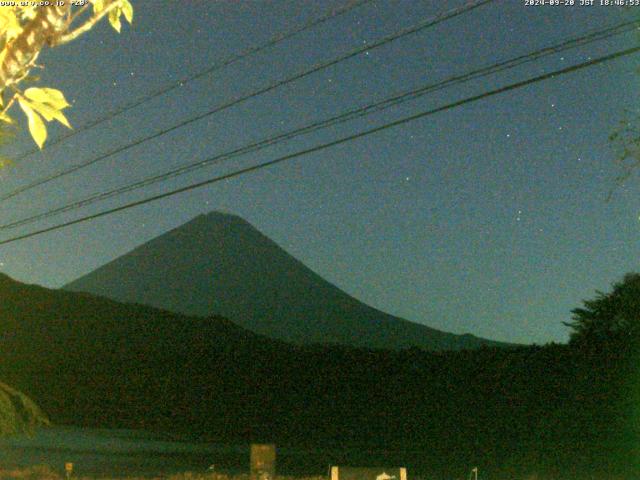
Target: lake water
[(119, 452)]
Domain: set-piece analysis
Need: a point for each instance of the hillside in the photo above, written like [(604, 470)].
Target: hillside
[(218, 264), (95, 362), (18, 413)]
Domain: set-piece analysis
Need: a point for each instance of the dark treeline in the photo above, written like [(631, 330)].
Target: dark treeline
[(556, 411)]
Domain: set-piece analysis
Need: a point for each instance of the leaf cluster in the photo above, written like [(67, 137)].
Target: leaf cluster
[(42, 105), (123, 7), (625, 139)]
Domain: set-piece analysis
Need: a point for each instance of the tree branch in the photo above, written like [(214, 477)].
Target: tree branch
[(9, 104), (78, 13), (22, 51), (85, 27)]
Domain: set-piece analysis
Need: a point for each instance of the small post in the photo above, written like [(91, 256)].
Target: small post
[(263, 461), (474, 473), (68, 469)]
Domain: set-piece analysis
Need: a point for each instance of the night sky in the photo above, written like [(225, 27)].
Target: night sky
[(490, 218)]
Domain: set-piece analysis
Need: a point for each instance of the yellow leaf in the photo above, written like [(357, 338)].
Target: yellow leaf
[(5, 118), (42, 109), (47, 102), (50, 96), (127, 10), (36, 126), (27, 12), (59, 116), (49, 113), (3, 53), (98, 6), (114, 19), (9, 25)]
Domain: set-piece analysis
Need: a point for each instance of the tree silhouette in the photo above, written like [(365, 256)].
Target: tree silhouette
[(612, 318)]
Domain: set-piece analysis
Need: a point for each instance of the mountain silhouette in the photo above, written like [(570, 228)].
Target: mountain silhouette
[(219, 264)]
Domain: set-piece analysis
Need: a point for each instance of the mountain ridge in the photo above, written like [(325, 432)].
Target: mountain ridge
[(219, 264)]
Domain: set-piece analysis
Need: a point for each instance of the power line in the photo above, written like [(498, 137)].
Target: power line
[(333, 143), (318, 67), (346, 116), (350, 5)]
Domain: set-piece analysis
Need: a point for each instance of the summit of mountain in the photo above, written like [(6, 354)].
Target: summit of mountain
[(220, 264)]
